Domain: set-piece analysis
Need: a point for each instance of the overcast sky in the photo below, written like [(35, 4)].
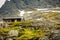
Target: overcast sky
[(2, 2)]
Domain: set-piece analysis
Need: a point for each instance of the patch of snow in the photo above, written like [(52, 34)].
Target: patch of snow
[(2, 3), (21, 12), (47, 10), (29, 11), (41, 9), (8, 0), (55, 11)]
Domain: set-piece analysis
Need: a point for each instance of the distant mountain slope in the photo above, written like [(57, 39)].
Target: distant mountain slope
[(21, 4), (10, 8)]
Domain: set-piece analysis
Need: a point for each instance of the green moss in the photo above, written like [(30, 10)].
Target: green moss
[(29, 34)]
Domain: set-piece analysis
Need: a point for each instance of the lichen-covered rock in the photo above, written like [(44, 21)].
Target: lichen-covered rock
[(13, 33), (55, 35), (9, 39)]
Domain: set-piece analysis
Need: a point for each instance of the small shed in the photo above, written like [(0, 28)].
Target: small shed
[(12, 19), (8, 20)]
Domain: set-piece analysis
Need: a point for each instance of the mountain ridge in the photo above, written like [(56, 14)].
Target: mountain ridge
[(10, 8)]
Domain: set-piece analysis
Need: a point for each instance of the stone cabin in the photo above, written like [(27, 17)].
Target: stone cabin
[(7, 20), (12, 19)]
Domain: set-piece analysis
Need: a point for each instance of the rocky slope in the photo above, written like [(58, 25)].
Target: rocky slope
[(10, 8)]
